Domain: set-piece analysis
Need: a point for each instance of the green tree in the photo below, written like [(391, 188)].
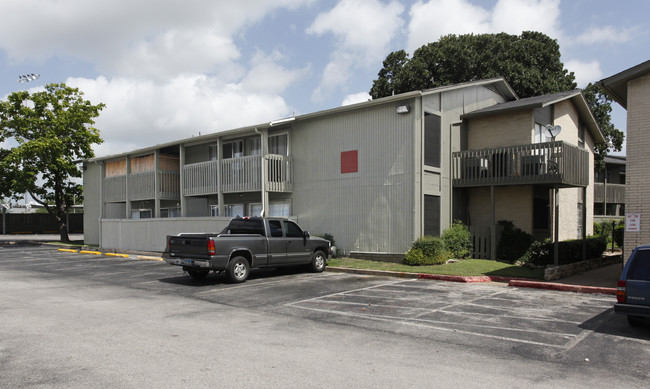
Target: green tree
[(530, 62), (49, 132), (601, 107)]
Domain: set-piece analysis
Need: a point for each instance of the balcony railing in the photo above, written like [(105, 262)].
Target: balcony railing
[(238, 175), (615, 193), (550, 163), (142, 186)]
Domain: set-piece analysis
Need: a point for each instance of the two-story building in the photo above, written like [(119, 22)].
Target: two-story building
[(376, 175)]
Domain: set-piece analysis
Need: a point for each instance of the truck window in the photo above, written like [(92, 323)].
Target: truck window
[(245, 226), (292, 230), (640, 267), (276, 228)]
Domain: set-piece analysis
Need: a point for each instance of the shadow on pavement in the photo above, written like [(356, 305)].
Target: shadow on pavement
[(611, 323)]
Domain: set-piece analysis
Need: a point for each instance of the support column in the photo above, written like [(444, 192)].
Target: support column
[(493, 228), (156, 184), (126, 195), (584, 224), (264, 145), (556, 244), (181, 178), (219, 166)]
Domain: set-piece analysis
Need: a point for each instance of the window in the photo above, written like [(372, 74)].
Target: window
[(233, 210), (279, 144), (276, 228), (233, 149), (581, 136), (541, 134), (640, 267), (580, 211), (170, 212), (255, 209), (214, 210), (140, 214), (213, 153), (431, 215), (292, 230), (432, 129), (253, 146), (280, 208)]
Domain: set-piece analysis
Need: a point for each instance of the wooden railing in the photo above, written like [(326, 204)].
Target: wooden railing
[(551, 163), (615, 193), (278, 178), (238, 175)]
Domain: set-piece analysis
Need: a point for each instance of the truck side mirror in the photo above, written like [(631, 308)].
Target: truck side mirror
[(305, 234)]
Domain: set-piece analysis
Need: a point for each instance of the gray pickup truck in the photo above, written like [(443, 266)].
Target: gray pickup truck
[(244, 244)]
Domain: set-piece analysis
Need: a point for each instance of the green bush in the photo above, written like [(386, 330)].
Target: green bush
[(603, 228), (427, 250), (619, 234), (569, 251), (514, 242), (458, 240)]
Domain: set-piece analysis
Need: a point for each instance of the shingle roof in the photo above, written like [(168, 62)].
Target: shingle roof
[(616, 85)]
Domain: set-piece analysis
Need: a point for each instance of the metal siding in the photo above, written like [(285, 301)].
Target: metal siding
[(372, 209), (92, 202)]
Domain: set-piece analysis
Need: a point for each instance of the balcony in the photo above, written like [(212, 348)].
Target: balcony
[(237, 175), (551, 163), (142, 186), (615, 193)]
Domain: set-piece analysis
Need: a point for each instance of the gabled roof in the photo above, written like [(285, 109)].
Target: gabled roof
[(616, 85), (497, 84), (544, 101)]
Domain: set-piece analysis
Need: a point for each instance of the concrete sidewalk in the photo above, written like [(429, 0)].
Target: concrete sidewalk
[(37, 238)]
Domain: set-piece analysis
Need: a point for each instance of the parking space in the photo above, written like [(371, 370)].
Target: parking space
[(494, 316)]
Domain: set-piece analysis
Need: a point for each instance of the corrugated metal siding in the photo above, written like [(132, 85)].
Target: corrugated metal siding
[(92, 178), (372, 209)]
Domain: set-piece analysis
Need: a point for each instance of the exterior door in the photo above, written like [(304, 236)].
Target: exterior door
[(277, 243)]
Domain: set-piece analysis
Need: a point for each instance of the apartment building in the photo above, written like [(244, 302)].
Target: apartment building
[(376, 175), (631, 89)]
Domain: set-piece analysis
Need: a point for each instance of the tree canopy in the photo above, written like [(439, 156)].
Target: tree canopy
[(48, 133), (530, 62)]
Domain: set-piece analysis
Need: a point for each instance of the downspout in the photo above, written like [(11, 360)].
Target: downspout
[(265, 198)]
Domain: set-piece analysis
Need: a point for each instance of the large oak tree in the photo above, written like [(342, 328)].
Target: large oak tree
[(530, 62), (47, 134)]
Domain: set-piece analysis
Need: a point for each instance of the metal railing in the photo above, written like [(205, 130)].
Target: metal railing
[(615, 193), (552, 163)]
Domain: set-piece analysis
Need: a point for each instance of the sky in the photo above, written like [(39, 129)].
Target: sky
[(169, 70)]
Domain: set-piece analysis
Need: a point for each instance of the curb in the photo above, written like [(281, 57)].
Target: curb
[(562, 287), (512, 281), (120, 255)]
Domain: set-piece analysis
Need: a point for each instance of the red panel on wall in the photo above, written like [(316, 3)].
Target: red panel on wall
[(349, 161)]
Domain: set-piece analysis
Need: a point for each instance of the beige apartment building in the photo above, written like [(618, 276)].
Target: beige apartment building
[(631, 89)]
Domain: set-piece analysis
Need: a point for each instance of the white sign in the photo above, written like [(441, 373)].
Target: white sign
[(632, 222)]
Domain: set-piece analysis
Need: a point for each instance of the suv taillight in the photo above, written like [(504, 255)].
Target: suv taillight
[(211, 250), (620, 291)]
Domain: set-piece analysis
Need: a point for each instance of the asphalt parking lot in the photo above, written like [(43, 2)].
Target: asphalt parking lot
[(571, 328)]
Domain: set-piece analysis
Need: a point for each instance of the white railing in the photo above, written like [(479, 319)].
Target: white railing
[(200, 178), (278, 178), (241, 174)]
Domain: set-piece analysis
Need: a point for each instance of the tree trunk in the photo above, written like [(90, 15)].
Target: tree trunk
[(63, 231)]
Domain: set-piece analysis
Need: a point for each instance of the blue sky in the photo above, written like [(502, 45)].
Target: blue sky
[(171, 69)]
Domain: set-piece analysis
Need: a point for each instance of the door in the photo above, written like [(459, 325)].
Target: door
[(296, 244), (277, 243)]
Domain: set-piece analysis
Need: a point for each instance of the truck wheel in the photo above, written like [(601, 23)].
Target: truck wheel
[(198, 274), (318, 261), (238, 269)]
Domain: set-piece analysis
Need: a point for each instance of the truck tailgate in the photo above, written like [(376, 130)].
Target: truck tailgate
[(189, 246)]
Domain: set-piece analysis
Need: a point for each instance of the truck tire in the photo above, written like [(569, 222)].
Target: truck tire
[(238, 269), (318, 261), (198, 274)]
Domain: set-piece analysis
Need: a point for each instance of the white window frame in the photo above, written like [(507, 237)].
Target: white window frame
[(284, 203), (280, 134), (229, 210), (232, 150)]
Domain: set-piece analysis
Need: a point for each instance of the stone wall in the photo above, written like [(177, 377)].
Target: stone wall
[(552, 273)]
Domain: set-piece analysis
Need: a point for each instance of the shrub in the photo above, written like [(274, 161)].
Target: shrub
[(514, 242), (458, 240), (569, 251), (427, 250), (603, 228), (619, 234)]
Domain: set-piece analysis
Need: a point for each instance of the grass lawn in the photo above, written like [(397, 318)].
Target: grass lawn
[(467, 267)]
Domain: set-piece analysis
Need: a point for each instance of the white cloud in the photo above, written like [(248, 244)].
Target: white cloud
[(606, 34), (143, 113), (435, 18), (585, 72), (266, 75), (363, 30), (356, 98)]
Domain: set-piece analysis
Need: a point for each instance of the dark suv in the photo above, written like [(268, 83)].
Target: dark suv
[(633, 293)]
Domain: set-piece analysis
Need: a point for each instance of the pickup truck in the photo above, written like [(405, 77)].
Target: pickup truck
[(244, 244)]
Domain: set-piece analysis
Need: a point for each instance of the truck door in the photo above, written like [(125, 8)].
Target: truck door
[(277, 243), (297, 250)]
